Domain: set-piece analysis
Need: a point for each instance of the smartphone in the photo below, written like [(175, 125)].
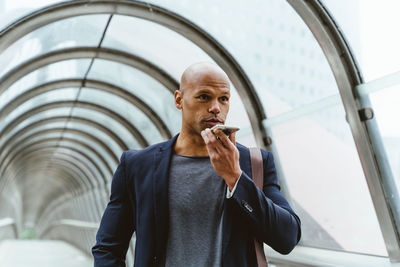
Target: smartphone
[(226, 129)]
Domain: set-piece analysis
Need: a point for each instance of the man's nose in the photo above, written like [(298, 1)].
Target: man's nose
[(214, 108)]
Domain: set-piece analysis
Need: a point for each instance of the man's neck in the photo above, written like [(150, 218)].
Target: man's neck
[(190, 145)]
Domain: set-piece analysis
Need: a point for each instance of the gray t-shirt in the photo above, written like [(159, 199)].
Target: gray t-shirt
[(196, 196)]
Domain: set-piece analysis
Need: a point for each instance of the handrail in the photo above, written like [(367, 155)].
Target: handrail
[(9, 222), (308, 256), (85, 225)]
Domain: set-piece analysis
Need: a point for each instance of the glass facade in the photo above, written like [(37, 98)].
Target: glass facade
[(77, 88)]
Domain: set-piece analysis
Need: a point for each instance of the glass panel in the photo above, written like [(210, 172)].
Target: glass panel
[(141, 85), (34, 118), (68, 94), (11, 10), (47, 126), (8, 147), (89, 154), (321, 165), (153, 42), (80, 159), (237, 116), (385, 104), (124, 109), (72, 32), (42, 136), (271, 43), (111, 124), (100, 150), (68, 69), (369, 26), (103, 137), (60, 125)]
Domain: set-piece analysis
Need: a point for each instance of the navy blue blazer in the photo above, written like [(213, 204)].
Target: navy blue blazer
[(139, 202)]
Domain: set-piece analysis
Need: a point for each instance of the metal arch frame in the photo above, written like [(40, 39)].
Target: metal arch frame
[(348, 76), (26, 140), (37, 166), (54, 207), (72, 160), (65, 159), (81, 104), (160, 16), (35, 125), (58, 203), (11, 158), (102, 145), (18, 185), (98, 85), (311, 13), (46, 217), (78, 119), (73, 223), (8, 221), (20, 156), (32, 150), (11, 142), (8, 158), (62, 160), (92, 225), (114, 55), (63, 181)]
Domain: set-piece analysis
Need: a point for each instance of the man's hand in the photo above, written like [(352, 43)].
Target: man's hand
[(223, 154)]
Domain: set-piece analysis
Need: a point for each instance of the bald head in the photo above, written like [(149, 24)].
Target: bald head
[(203, 73), (203, 98)]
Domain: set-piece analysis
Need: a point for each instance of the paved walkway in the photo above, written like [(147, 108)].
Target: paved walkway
[(43, 253)]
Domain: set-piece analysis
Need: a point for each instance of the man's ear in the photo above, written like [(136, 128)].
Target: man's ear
[(178, 99)]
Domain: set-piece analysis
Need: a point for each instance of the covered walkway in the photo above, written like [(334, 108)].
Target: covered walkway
[(82, 81), (43, 253)]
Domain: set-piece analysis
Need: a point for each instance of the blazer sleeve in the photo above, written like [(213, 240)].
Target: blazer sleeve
[(273, 220), (117, 224)]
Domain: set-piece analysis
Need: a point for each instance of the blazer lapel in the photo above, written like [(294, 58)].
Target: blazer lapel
[(244, 161), (162, 160)]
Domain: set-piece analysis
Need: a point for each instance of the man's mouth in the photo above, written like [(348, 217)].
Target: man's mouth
[(213, 122)]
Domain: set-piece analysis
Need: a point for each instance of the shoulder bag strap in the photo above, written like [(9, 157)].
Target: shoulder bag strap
[(257, 169)]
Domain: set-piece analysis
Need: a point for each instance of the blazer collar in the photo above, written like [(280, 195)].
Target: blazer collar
[(162, 159)]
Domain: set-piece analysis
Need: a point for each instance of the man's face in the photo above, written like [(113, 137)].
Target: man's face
[(204, 102)]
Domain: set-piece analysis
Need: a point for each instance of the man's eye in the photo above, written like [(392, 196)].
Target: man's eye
[(224, 98), (203, 97)]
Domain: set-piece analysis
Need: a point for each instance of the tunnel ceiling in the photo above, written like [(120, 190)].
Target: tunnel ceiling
[(83, 92), (82, 81)]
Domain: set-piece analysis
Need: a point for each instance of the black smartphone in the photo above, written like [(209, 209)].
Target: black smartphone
[(226, 129)]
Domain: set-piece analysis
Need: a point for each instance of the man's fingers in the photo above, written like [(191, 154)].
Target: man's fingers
[(225, 140), (205, 137), (213, 145), (232, 137), (222, 138)]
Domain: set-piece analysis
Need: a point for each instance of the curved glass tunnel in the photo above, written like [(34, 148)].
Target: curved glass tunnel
[(82, 81)]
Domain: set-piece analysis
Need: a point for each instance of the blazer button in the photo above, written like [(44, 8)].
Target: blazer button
[(247, 206), (155, 259)]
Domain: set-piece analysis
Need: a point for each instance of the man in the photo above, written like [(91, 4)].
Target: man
[(191, 200)]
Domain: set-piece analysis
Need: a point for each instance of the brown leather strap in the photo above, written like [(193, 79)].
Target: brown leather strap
[(257, 169)]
